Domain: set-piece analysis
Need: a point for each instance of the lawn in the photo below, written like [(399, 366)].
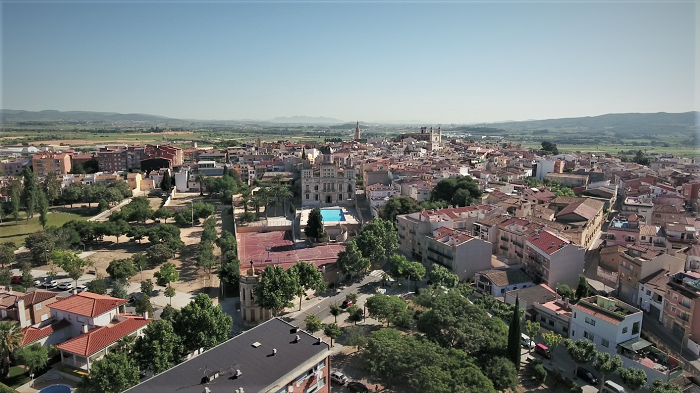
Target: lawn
[(16, 232), (17, 377)]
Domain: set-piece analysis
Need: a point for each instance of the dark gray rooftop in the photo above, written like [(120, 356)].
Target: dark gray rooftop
[(259, 368)]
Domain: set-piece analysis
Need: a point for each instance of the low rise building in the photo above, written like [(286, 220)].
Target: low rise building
[(553, 259), (496, 282), (458, 251), (606, 322)]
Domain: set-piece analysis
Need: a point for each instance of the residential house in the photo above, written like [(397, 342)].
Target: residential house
[(26, 308), (652, 290), (584, 219), (529, 297), (496, 282), (458, 251), (274, 356), (638, 263), (554, 315), (606, 322)]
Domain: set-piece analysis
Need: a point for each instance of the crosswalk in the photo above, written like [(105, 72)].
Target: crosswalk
[(377, 273)]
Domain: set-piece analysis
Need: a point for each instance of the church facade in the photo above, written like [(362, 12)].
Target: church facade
[(330, 182)]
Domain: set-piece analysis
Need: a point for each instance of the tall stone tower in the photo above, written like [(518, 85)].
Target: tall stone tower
[(252, 313), (357, 131)]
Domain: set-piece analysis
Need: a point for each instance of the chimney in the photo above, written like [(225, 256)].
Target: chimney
[(145, 315), (21, 314), (566, 302), (297, 339), (85, 328), (274, 351), (552, 244)]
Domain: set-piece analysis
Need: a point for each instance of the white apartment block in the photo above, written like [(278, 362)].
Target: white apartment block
[(606, 322)]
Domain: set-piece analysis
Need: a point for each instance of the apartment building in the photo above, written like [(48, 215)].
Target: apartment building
[(58, 163), (413, 227), (652, 291), (637, 263), (553, 259), (272, 357), (457, 251), (328, 183), (641, 206), (14, 167), (680, 316), (606, 322)]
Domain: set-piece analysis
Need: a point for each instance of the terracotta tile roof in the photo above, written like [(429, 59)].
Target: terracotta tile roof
[(88, 304), (38, 296), (88, 343), (548, 242), (666, 209), (657, 282), (442, 232), (32, 334), (7, 299), (587, 208)]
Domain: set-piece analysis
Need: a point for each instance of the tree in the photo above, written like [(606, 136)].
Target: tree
[(170, 293), (113, 373), (514, 336), (122, 269), (30, 193), (501, 372), (15, 198), (309, 277), (10, 339), (159, 347), (70, 262), (582, 288), (414, 271), (97, 286), (167, 183), (352, 296), (384, 307), (314, 226), (201, 324), (143, 305), (205, 257), (167, 274), (335, 311), (147, 287), (168, 313), (566, 292), (164, 213), (26, 280), (7, 255), (140, 262), (34, 356), (551, 339), (5, 276), (276, 288), (230, 272), (658, 386), (442, 276), (119, 290), (124, 344), (313, 323), (398, 206), (446, 190), (137, 232), (350, 261), (540, 373), (532, 328), (633, 378), (53, 186), (159, 253), (333, 331), (550, 147), (606, 365), (43, 207), (357, 336), (355, 314), (581, 351), (378, 240)]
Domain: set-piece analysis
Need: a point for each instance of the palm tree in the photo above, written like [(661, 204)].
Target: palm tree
[(278, 178), (10, 339), (200, 180), (285, 193)]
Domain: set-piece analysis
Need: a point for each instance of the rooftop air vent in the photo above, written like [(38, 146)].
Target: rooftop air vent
[(297, 339), (238, 373), (256, 344), (274, 351)]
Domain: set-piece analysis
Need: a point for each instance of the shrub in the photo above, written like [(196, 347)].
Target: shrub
[(540, 373)]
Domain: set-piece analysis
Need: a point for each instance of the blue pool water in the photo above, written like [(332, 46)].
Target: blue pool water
[(332, 215), (56, 389)]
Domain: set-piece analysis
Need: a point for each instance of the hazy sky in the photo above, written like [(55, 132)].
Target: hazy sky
[(447, 62)]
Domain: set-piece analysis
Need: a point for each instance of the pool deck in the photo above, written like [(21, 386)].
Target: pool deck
[(348, 212)]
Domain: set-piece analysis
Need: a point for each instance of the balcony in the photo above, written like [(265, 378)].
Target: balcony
[(503, 238), (436, 252)]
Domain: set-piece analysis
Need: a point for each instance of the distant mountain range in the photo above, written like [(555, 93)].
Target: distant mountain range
[(305, 120), (18, 116)]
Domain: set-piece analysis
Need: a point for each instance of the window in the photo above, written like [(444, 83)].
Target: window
[(543, 319), (635, 328), (565, 329), (551, 322), (38, 306), (316, 196), (604, 342), (673, 310), (321, 383), (588, 335), (574, 314), (590, 321), (675, 296), (307, 196), (648, 292), (624, 330)]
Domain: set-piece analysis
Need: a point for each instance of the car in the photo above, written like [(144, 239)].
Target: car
[(542, 350), (38, 283), (357, 387), (338, 377), (81, 288), (347, 303), (15, 279), (50, 284), (526, 341), (65, 286), (587, 376)]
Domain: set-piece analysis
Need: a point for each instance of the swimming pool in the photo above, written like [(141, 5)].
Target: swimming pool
[(56, 389), (332, 215)]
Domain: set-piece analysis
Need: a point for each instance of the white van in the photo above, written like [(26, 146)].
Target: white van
[(526, 341), (612, 387)]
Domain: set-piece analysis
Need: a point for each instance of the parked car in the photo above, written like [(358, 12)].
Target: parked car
[(347, 303), (38, 283), (612, 387), (543, 351), (15, 279), (587, 376), (81, 288), (65, 286), (338, 377), (526, 341), (357, 387), (50, 284)]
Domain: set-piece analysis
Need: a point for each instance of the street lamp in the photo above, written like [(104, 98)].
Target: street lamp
[(192, 215)]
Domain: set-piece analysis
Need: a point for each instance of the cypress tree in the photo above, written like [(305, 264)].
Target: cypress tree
[(514, 336), (167, 182)]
